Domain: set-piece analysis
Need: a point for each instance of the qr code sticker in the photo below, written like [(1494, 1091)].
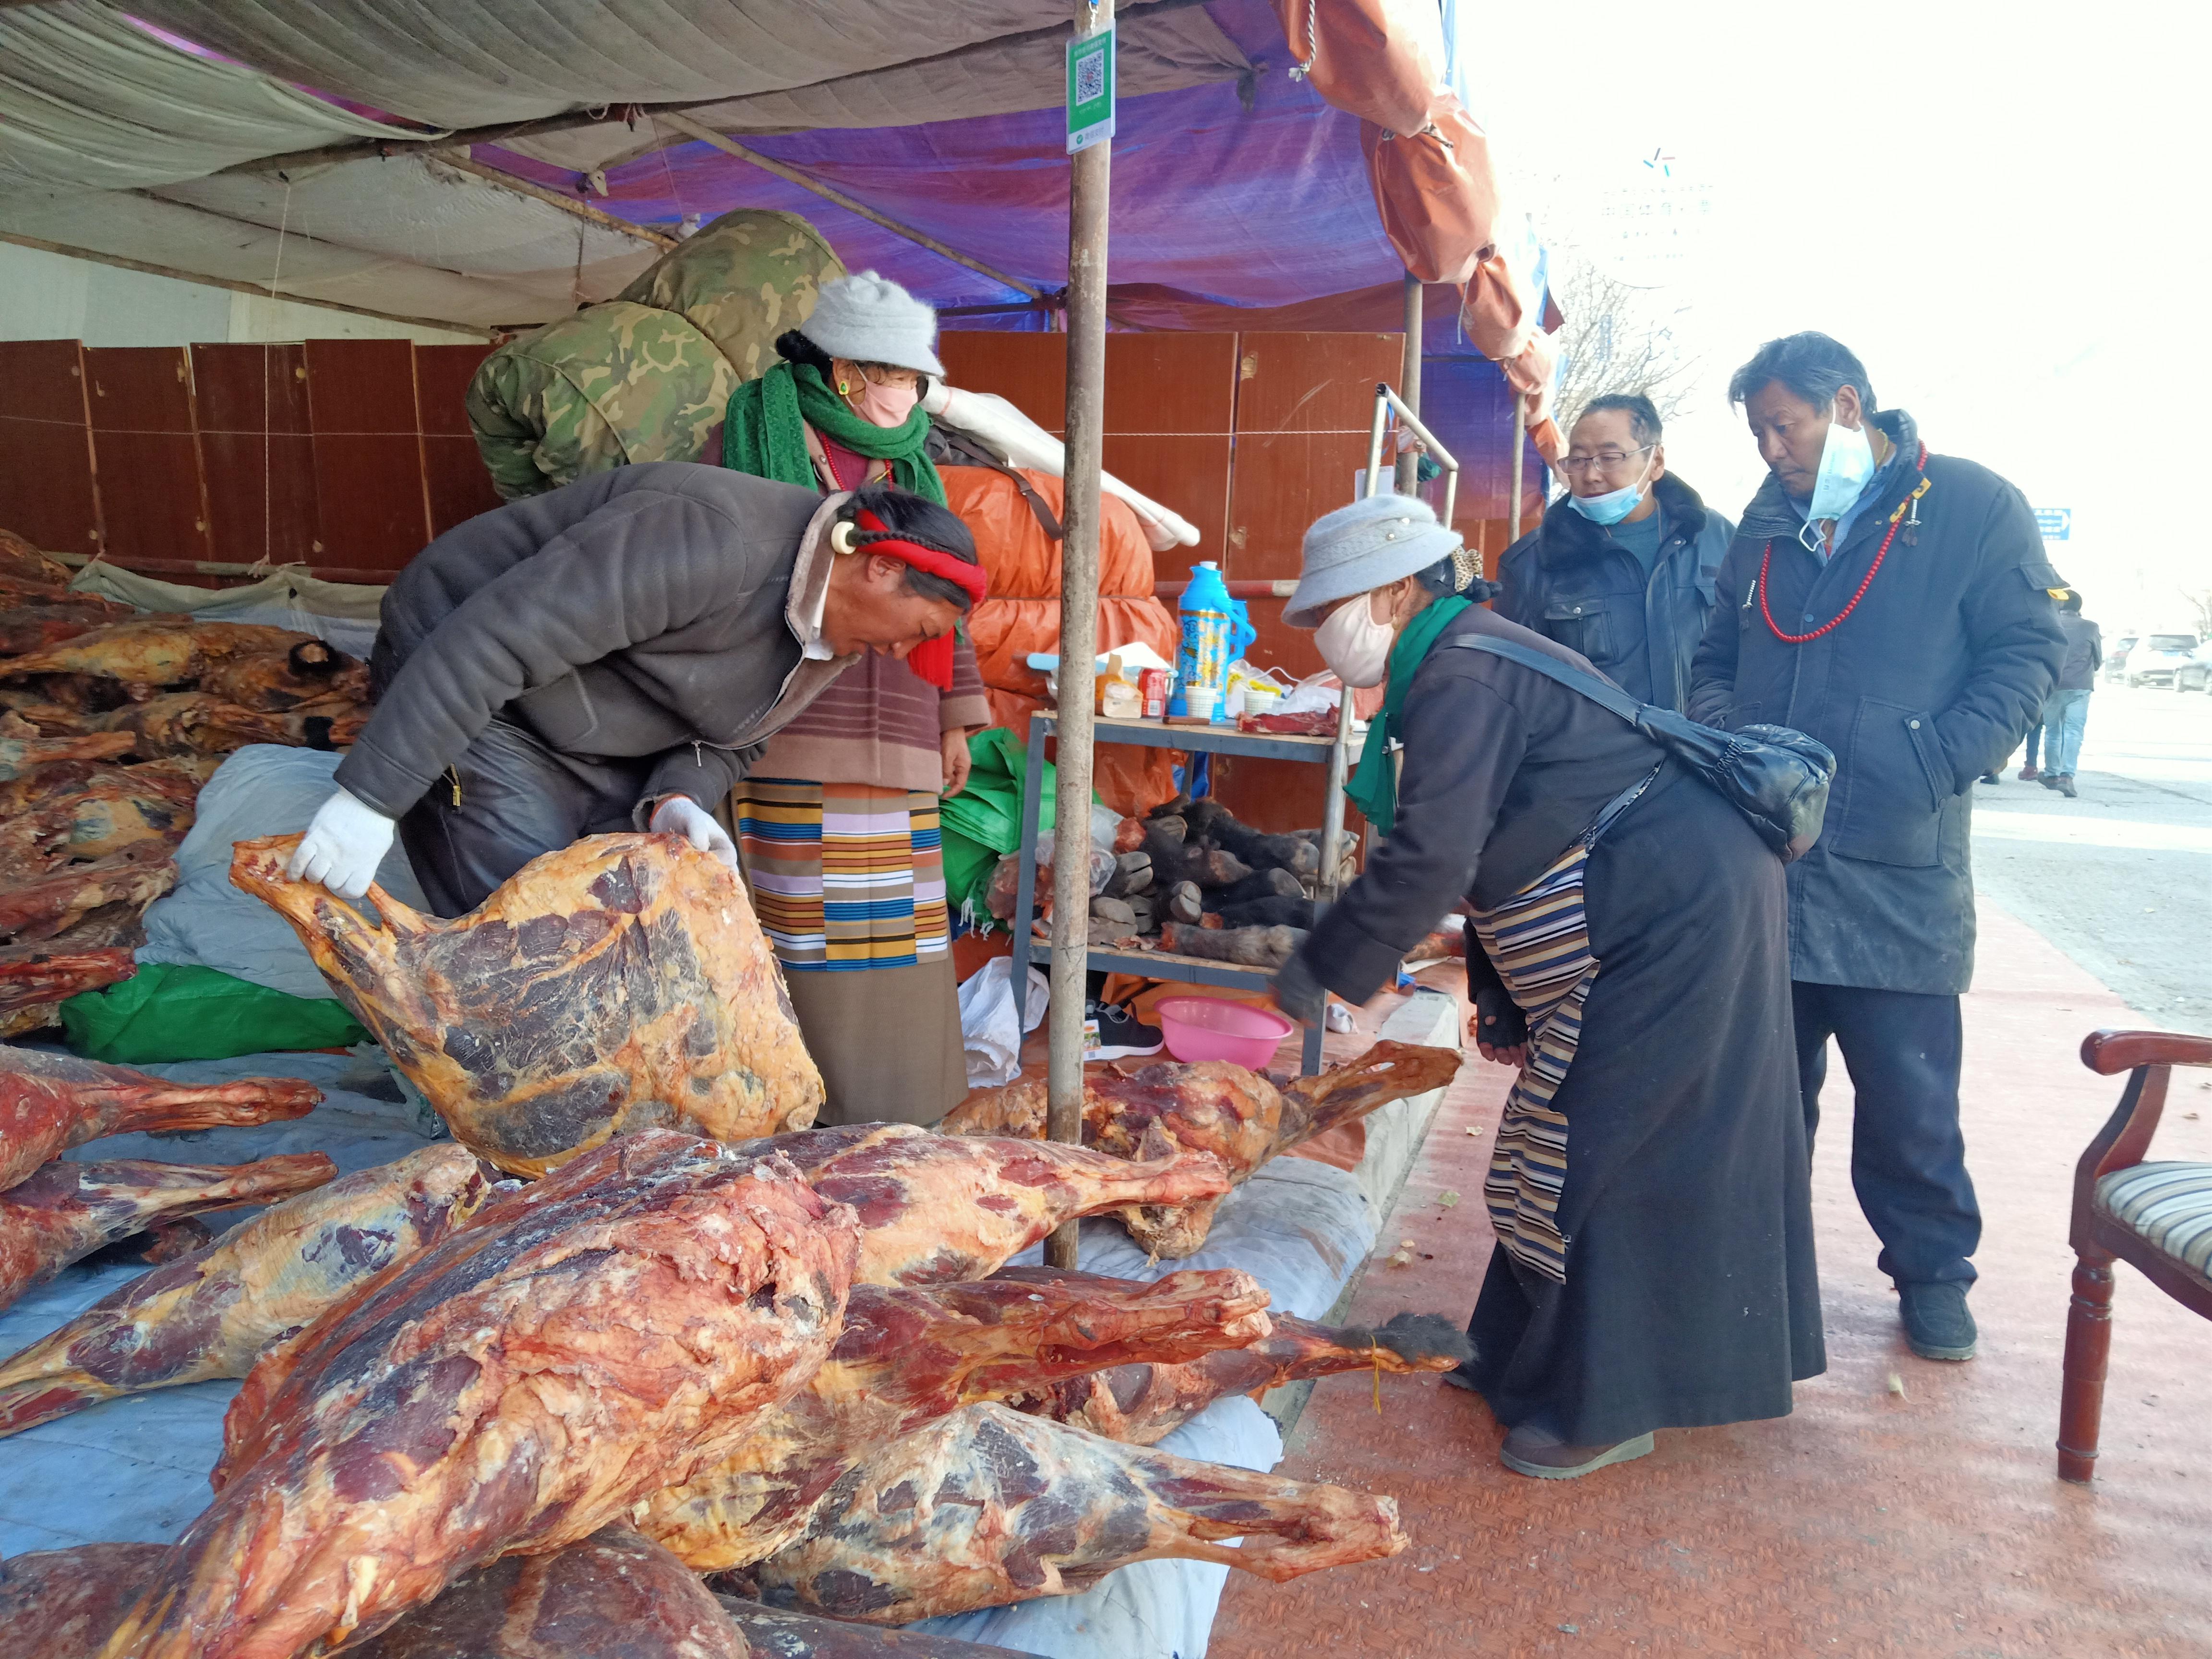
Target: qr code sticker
[(1090, 77)]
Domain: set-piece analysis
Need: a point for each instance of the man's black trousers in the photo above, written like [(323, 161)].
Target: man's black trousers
[(1908, 1156)]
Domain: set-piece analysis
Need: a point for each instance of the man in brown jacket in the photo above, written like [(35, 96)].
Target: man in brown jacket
[(613, 655)]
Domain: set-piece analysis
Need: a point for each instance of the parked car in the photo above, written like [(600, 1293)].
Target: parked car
[(2196, 674), (2116, 656), (2159, 659)]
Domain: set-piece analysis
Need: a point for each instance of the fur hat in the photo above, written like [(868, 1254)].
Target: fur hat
[(868, 319), (1360, 548)]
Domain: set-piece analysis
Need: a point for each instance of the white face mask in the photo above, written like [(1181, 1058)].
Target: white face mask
[(1354, 645)]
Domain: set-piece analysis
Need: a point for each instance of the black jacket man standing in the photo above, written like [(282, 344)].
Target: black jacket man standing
[(1895, 606)]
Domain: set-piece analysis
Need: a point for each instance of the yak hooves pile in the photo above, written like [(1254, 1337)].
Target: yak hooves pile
[(110, 722), (1190, 869)]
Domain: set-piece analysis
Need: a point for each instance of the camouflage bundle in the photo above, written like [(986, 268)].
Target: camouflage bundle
[(646, 376)]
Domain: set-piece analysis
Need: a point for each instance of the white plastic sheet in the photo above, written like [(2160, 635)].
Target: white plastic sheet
[(987, 1028), (264, 789)]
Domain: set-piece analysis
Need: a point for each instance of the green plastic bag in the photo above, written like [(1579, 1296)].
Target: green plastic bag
[(165, 1012), (983, 822)]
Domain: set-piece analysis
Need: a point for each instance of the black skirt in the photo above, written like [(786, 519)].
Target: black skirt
[(1691, 1296)]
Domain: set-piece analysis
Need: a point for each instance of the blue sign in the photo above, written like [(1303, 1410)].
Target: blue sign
[(2057, 523)]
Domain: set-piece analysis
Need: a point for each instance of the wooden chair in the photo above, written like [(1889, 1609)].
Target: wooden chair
[(2155, 1216)]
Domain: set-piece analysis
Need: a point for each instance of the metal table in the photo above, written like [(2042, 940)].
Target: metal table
[(1328, 751)]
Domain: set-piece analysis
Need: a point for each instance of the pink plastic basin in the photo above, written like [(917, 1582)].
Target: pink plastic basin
[(1209, 1027)]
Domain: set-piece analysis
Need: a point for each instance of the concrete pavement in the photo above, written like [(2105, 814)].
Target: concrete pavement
[(2121, 879)]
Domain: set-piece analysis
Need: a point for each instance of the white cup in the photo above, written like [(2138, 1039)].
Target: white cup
[(1199, 700)]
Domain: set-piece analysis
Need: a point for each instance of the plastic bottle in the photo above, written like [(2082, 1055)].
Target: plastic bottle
[(1203, 658)]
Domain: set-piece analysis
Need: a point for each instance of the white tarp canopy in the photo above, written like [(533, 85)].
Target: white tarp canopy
[(118, 141)]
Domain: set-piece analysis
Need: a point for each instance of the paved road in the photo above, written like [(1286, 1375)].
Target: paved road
[(2120, 879)]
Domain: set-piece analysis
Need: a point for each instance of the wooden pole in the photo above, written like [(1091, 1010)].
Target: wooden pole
[(729, 146), (1520, 444), (1091, 171), (1409, 382)]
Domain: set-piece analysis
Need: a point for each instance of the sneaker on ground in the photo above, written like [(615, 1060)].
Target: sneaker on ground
[(1121, 1033), (1991, 777), (2066, 787), (1937, 1324)]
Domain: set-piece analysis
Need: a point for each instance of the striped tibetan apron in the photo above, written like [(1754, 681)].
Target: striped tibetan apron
[(845, 877), (1539, 942)]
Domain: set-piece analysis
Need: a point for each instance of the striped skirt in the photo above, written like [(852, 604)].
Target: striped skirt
[(1539, 942), (845, 877)]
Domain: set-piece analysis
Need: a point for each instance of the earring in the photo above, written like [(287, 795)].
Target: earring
[(843, 390)]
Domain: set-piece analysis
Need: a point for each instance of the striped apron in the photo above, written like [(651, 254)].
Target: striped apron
[(845, 877), (1539, 942)]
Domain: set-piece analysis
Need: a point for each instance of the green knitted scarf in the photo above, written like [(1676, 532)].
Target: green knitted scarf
[(764, 433)]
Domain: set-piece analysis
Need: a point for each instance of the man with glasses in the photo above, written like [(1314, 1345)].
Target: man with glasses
[(1621, 569), (1897, 606)]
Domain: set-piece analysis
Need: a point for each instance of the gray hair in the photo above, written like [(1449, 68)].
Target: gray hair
[(1811, 365), (1642, 414)]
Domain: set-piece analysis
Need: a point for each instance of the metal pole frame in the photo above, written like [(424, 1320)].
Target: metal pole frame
[(1090, 179)]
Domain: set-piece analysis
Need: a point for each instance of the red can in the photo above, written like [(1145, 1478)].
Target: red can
[(1152, 684)]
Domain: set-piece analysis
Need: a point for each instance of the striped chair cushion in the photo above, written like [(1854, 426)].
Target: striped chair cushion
[(2169, 1205)]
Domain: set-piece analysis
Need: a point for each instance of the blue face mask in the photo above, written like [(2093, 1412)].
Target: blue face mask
[(1613, 506), (1846, 464)]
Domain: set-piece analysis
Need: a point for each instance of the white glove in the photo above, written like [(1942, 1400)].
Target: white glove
[(342, 846), (680, 815)]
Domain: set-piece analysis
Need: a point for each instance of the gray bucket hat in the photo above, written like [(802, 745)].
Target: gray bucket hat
[(869, 318), (1360, 548)]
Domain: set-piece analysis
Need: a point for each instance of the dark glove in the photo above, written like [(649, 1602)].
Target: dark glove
[(1498, 1020), (1298, 994)]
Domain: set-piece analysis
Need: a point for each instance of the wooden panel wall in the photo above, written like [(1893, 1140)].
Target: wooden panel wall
[(256, 453), (373, 505), (452, 472), (46, 491)]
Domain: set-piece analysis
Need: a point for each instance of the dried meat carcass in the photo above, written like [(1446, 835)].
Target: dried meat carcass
[(48, 720), (583, 1342), (175, 723), (51, 1102), (33, 625), (157, 650), (24, 750), (939, 1209), (1237, 1115), (52, 905), (63, 1604), (77, 812), (36, 979), (789, 1635), (311, 672), (612, 1596), (617, 984), (20, 562), (67, 1211), (214, 1312), (910, 1357), (988, 1507), (1139, 1404)]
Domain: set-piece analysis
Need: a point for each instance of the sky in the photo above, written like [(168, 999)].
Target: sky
[(2000, 209)]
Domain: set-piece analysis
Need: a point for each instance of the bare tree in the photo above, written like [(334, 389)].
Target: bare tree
[(1616, 338), (2200, 601)]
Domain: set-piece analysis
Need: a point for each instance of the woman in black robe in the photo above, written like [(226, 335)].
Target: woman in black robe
[(1629, 952)]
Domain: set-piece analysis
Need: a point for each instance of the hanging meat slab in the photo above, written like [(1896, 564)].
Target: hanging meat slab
[(311, 672), (583, 1342), (1237, 1115), (937, 1209), (908, 1357), (67, 1211), (52, 904), (155, 650), (214, 1311), (620, 983), (32, 977), (989, 1507), (51, 1102)]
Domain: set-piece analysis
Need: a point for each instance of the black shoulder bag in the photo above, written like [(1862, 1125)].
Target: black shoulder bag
[(1777, 778)]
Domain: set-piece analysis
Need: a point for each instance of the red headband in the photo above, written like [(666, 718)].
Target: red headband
[(933, 658)]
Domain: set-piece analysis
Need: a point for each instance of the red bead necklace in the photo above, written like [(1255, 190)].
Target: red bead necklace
[(1767, 558)]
